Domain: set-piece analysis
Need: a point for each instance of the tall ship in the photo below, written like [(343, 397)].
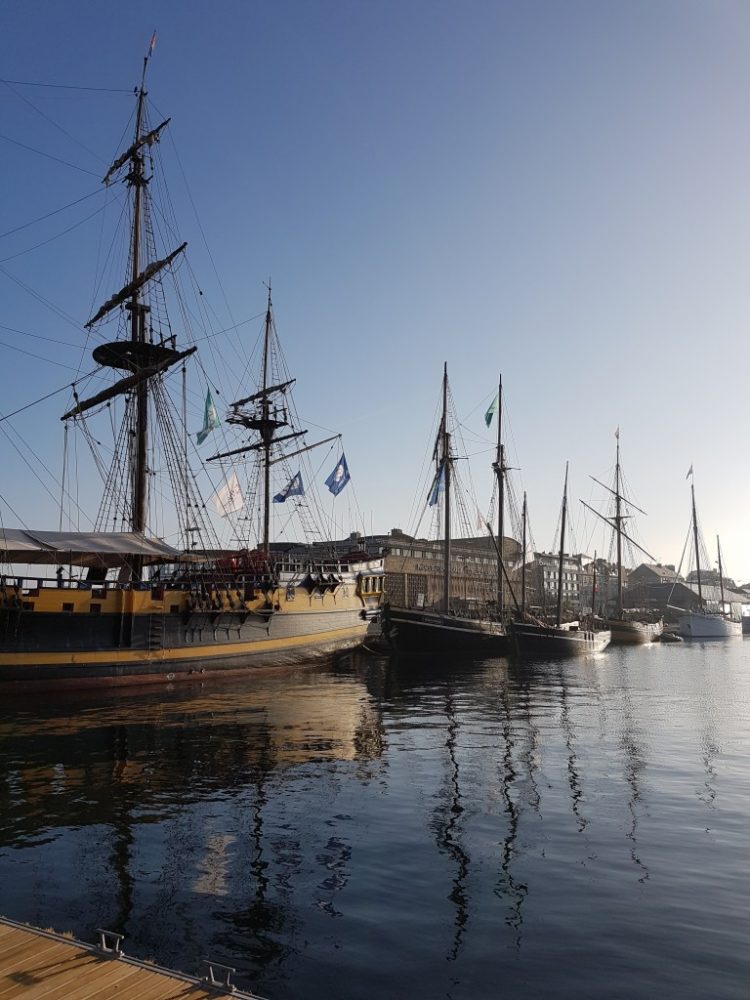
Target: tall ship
[(533, 638), (470, 625), (627, 628), (118, 605), (708, 620)]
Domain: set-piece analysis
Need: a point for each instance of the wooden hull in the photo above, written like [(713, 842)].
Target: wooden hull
[(62, 638), (412, 630), (553, 642), (697, 625), (632, 632)]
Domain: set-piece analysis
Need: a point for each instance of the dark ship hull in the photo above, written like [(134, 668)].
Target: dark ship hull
[(554, 642), (418, 631)]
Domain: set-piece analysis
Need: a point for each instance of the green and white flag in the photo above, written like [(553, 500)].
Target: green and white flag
[(210, 419), (491, 411)]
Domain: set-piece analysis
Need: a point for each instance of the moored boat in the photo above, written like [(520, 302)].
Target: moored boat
[(704, 622), (539, 641), (121, 606), (444, 626), (708, 625), (536, 639), (625, 628), (627, 632)]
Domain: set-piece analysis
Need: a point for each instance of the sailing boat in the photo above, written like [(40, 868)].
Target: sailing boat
[(624, 629), (702, 622), (445, 627), (534, 638), (110, 622)]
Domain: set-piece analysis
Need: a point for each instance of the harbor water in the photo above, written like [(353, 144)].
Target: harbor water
[(402, 828)]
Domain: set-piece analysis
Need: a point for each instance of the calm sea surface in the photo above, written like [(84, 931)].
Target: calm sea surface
[(400, 829)]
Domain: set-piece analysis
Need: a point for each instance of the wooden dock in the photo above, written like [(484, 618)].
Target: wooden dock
[(42, 965)]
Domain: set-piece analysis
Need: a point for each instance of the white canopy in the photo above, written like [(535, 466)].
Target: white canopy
[(82, 548)]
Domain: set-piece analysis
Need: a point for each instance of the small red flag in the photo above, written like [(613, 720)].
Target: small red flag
[(152, 43)]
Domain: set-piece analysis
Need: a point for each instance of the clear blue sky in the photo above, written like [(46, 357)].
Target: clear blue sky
[(557, 192)]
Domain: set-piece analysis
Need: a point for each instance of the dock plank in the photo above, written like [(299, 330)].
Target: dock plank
[(95, 978), (16, 962), (42, 965)]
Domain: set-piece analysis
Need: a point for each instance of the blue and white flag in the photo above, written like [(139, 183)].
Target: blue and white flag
[(210, 419), (294, 488), (438, 486), (339, 477)]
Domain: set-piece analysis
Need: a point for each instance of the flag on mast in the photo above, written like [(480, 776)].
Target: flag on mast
[(152, 43), (339, 477), (491, 410), (689, 472), (294, 488), (210, 419), (228, 499), (437, 486)]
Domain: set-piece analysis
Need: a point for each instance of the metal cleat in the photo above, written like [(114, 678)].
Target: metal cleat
[(110, 942), (217, 982)]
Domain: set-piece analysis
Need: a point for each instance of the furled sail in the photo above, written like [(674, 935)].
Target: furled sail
[(145, 140), (125, 384), (132, 287)]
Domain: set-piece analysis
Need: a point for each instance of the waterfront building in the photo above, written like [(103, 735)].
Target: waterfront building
[(542, 575), (414, 569), (662, 589)]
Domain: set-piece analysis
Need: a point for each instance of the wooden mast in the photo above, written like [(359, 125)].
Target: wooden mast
[(137, 180), (721, 574), (446, 446), (695, 542), (267, 432), (593, 591), (523, 560), (562, 549), (618, 528), (500, 473)]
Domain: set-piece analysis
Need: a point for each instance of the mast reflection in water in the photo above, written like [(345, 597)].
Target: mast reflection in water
[(382, 828)]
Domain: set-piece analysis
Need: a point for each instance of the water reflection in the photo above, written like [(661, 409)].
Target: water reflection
[(508, 887), (635, 767), (568, 730), (400, 827), (447, 821)]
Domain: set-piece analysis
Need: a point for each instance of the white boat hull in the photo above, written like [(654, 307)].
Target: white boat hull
[(697, 625)]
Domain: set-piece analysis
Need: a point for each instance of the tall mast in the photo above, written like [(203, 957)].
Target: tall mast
[(593, 590), (500, 473), (262, 413), (267, 432), (562, 548), (137, 181), (446, 445), (721, 574), (523, 560), (618, 527), (695, 541)]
